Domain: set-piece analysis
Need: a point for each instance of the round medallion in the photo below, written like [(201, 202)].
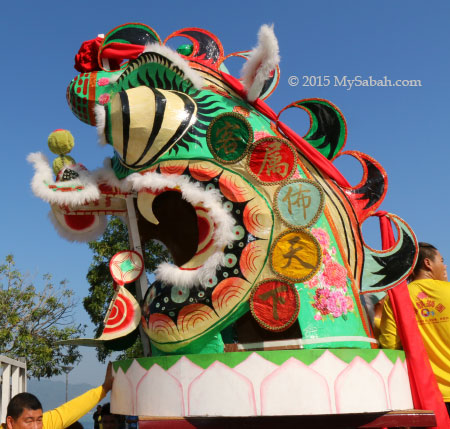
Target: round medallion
[(272, 160), (275, 304), (296, 255), (228, 137), (299, 203), (126, 266)]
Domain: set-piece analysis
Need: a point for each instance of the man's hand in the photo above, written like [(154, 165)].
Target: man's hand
[(109, 378)]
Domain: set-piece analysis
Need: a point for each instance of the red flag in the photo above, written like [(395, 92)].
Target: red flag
[(424, 388)]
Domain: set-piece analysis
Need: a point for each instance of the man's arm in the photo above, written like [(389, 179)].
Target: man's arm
[(73, 410), (389, 338)]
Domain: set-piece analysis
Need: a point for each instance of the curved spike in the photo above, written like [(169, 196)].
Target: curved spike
[(207, 47), (269, 85), (132, 33), (369, 193), (385, 269), (122, 319), (328, 129), (126, 36)]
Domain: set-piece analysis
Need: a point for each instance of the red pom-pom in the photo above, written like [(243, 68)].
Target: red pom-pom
[(87, 58)]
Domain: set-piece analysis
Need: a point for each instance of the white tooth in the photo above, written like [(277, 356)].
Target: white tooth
[(145, 206)]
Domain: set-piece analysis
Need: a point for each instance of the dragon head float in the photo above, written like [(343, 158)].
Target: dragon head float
[(264, 231)]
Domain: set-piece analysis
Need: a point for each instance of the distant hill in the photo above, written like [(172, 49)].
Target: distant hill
[(52, 394)]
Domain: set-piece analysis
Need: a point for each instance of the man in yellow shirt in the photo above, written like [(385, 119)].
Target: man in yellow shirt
[(430, 295), (25, 411)]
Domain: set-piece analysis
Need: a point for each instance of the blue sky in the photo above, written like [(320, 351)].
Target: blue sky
[(403, 128)]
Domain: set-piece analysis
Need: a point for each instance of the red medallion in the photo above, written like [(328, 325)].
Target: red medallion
[(275, 305), (272, 160)]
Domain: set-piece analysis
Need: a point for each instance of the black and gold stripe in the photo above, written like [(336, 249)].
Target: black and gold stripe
[(145, 122)]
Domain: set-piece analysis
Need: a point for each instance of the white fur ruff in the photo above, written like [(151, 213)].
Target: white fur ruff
[(173, 275), (195, 195), (262, 60), (43, 179)]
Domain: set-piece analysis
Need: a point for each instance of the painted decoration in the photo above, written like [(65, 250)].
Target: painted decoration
[(296, 255), (229, 135), (123, 316), (126, 266), (275, 305), (263, 383), (139, 131), (272, 160), (299, 203)]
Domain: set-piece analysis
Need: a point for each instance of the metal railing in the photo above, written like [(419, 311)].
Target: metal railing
[(13, 380)]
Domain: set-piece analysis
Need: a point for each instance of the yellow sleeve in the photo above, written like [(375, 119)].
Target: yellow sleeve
[(389, 338), (71, 411)]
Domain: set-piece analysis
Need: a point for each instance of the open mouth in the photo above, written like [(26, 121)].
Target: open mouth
[(217, 235), (192, 222)]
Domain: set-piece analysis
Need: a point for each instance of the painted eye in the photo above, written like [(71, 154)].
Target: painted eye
[(201, 294), (210, 186), (143, 108)]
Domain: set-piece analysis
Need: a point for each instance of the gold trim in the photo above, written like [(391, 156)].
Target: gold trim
[(312, 272), (278, 182), (294, 316), (211, 147), (317, 215)]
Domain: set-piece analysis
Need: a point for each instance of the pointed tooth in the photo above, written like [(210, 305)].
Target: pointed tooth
[(145, 205)]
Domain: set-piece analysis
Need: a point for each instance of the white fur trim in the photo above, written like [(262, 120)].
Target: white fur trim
[(262, 60), (107, 175), (195, 194), (43, 178), (91, 234), (100, 122), (177, 60), (173, 275)]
